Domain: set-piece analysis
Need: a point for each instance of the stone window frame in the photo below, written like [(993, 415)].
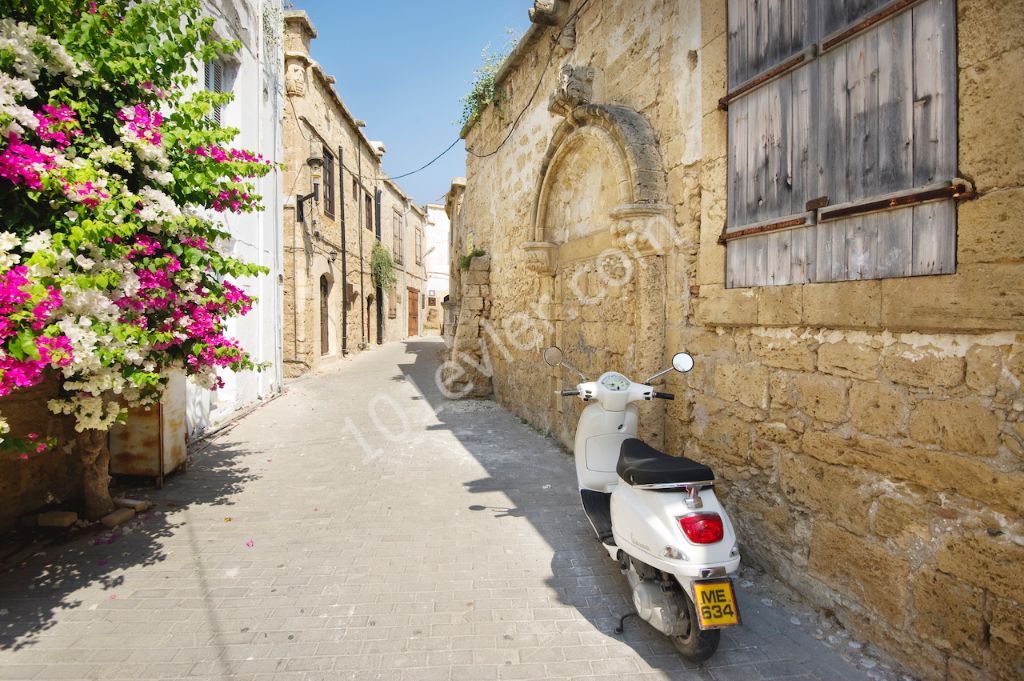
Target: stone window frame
[(419, 245), (889, 227)]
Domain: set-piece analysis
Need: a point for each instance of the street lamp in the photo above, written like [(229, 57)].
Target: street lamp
[(315, 162)]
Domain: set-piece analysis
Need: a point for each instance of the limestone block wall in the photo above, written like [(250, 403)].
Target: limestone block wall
[(868, 435), (469, 375)]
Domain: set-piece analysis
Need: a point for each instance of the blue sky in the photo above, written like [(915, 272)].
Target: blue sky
[(403, 67)]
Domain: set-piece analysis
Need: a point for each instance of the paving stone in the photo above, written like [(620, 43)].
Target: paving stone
[(361, 527)]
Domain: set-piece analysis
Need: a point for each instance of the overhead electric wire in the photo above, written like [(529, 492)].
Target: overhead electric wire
[(512, 128), (519, 116)]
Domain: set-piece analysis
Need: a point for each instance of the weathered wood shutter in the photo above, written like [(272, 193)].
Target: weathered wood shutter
[(376, 214), (842, 140)]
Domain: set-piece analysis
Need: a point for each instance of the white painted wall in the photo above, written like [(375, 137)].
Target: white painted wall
[(258, 85), (436, 246)]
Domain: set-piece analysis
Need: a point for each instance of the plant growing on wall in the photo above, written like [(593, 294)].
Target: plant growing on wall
[(467, 259), (111, 268), (382, 267), (482, 92)]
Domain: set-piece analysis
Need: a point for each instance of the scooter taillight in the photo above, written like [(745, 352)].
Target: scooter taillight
[(703, 528)]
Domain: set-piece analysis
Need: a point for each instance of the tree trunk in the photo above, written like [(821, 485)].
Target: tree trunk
[(92, 447)]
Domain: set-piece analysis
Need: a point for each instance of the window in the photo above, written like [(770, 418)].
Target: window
[(213, 80), (431, 301), (392, 303), (368, 211), (398, 246), (328, 182), (419, 245), (842, 141)]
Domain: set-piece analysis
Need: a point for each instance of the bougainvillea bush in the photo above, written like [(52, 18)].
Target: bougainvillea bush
[(112, 174)]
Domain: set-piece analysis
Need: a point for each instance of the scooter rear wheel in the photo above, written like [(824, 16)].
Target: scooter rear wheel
[(696, 645)]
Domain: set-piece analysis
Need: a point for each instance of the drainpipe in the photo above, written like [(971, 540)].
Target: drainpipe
[(344, 255)]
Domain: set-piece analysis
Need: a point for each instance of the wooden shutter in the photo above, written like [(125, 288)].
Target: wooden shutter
[(833, 126), (376, 206), (399, 247), (214, 82), (328, 182)]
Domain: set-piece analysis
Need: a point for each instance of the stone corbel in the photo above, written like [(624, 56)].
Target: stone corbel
[(549, 12), (295, 64), (642, 228), (540, 257), (575, 88)]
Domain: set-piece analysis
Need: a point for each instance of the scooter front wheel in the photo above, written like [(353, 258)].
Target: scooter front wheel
[(696, 645)]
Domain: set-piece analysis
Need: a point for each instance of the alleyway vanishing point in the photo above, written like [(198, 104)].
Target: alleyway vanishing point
[(363, 527)]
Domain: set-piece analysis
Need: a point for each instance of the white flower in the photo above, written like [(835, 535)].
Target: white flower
[(8, 260), (71, 215), (84, 262), (37, 242), (8, 241)]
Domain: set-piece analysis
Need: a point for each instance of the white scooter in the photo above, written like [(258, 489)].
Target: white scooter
[(656, 514)]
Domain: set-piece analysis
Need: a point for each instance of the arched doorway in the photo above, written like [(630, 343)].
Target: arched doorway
[(600, 227), (325, 324)]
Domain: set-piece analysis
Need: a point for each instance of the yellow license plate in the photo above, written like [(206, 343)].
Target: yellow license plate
[(716, 604)]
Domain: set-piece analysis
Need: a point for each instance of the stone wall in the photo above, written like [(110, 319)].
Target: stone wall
[(469, 374), (868, 435)]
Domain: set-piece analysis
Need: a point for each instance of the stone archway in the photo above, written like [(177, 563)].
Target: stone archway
[(600, 226)]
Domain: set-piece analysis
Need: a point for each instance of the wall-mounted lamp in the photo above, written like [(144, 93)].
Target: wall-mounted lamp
[(315, 162)]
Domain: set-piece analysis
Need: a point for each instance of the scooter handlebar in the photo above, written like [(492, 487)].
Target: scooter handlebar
[(567, 393), (664, 396)]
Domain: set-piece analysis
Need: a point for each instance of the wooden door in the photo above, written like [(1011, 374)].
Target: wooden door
[(325, 289), (413, 303)]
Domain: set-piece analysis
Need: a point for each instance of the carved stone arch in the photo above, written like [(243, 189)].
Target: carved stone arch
[(637, 201), (624, 219)]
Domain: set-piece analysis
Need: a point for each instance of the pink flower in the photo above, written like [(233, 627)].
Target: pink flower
[(22, 164), (143, 123), (57, 125)]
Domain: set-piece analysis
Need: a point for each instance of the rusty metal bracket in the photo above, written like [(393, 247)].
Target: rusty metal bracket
[(844, 34), (764, 227), (957, 189), (782, 69)]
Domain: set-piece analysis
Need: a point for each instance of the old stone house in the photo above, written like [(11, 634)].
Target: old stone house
[(822, 202), (403, 233), (338, 204)]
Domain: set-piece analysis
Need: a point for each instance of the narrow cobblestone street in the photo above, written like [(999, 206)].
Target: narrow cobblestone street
[(362, 527)]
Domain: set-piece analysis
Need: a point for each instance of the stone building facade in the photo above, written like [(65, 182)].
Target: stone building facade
[(861, 401), (331, 307)]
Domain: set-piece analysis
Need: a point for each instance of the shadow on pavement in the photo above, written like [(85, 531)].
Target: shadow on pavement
[(542, 488), (93, 558)]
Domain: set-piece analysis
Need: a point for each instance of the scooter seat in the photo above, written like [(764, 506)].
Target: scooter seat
[(641, 464)]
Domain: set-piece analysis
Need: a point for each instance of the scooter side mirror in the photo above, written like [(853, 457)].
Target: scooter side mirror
[(682, 362), (553, 356)]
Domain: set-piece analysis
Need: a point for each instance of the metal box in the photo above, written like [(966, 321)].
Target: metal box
[(153, 440)]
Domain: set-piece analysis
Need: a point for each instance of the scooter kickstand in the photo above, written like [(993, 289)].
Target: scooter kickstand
[(622, 622)]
